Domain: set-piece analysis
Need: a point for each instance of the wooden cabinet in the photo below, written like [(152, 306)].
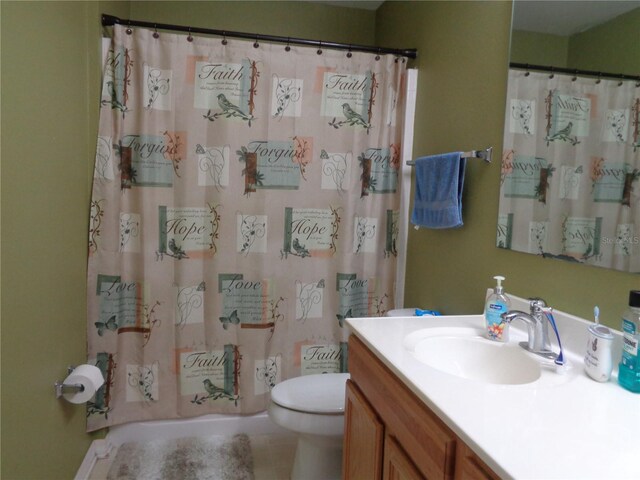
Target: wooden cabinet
[(362, 454), (397, 464), (391, 434), (470, 466)]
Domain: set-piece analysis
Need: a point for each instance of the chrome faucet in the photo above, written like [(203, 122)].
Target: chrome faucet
[(537, 327)]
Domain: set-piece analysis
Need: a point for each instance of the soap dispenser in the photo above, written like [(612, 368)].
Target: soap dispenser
[(497, 304)]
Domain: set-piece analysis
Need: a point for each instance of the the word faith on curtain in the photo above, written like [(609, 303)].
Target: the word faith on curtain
[(245, 203), (570, 184)]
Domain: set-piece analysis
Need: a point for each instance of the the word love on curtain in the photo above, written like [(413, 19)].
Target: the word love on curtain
[(245, 203), (570, 185)]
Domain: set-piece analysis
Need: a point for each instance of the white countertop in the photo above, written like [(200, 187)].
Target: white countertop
[(562, 426)]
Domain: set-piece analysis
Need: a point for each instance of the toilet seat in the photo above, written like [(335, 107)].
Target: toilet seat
[(317, 394)]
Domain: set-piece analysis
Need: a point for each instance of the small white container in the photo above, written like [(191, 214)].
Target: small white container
[(598, 360)]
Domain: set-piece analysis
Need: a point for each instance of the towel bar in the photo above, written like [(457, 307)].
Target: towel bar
[(483, 154)]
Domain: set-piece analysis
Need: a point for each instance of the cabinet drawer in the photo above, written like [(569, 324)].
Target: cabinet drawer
[(426, 439)]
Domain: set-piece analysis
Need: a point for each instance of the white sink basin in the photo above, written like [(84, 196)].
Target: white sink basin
[(465, 353)]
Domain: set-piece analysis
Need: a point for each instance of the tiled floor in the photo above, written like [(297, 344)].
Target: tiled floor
[(272, 458)]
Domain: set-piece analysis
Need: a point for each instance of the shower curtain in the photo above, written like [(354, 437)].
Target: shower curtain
[(570, 169), (245, 203)]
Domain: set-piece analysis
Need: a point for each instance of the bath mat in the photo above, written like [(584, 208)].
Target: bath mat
[(191, 458)]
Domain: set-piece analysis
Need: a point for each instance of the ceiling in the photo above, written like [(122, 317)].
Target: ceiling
[(567, 17)]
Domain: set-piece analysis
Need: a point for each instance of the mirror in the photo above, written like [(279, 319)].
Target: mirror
[(570, 177)]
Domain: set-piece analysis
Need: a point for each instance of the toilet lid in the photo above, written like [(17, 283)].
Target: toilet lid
[(323, 393)]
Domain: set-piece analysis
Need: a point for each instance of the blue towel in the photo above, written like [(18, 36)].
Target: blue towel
[(437, 201)]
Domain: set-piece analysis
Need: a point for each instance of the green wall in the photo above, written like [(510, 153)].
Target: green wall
[(50, 90), (611, 47), (50, 81), (283, 18), (50, 98), (539, 48), (463, 56)]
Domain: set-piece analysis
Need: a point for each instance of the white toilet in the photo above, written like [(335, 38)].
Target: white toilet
[(313, 407), (401, 312)]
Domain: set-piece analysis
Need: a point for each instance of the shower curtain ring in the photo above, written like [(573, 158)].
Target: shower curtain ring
[(599, 79), (575, 76), (319, 51), (349, 54), (288, 47), (189, 38), (256, 44), (552, 74), (128, 30), (155, 31), (378, 55), (224, 38)]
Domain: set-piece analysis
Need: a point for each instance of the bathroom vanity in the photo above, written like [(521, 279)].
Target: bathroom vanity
[(409, 417), (390, 433)]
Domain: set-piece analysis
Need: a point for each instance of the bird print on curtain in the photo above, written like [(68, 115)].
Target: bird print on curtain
[(245, 203), (570, 169)]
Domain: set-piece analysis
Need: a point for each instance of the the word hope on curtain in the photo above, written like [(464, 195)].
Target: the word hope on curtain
[(570, 184), (245, 203)]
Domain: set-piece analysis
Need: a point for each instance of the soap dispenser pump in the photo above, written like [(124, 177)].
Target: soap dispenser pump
[(497, 304)]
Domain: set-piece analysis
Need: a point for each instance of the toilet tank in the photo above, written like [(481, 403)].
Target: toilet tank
[(401, 312)]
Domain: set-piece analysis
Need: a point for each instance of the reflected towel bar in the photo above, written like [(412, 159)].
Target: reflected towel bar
[(483, 154)]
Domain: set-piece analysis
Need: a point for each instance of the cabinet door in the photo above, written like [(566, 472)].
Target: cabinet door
[(425, 438), (470, 467), (363, 436), (397, 465)]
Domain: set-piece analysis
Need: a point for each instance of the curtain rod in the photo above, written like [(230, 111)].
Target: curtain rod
[(573, 71), (109, 20)]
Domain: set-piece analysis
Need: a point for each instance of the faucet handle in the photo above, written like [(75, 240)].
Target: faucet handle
[(537, 304)]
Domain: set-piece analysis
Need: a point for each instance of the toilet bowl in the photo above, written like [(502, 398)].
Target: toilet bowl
[(313, 407)]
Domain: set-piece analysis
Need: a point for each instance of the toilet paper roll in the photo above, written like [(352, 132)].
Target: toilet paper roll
[(90, 377)]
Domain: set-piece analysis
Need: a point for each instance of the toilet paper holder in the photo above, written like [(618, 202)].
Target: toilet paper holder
[(68, 388)]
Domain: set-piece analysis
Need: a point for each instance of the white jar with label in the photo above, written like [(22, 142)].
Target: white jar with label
[(598, 360)]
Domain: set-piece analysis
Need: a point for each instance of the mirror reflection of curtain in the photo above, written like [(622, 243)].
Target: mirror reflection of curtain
[(245, 203), (570, 178)]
